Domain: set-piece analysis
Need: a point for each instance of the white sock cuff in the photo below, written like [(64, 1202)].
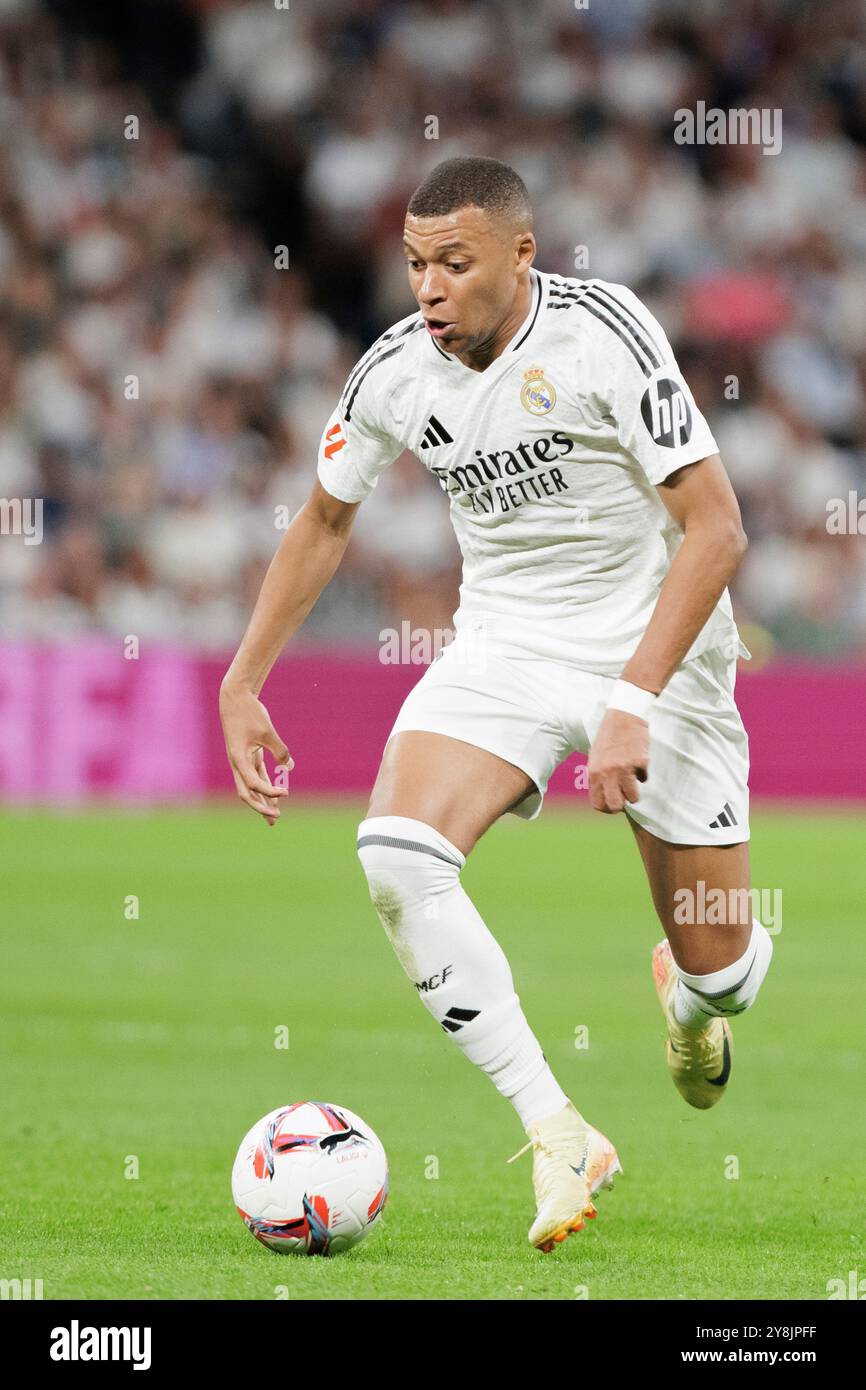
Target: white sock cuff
[(402, 832), (732, 977), (503, 1044)]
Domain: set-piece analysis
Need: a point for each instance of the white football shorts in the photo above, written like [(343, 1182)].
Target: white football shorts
[(534, 712)]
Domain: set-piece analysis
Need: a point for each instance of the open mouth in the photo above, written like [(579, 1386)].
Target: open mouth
[(438, 328)]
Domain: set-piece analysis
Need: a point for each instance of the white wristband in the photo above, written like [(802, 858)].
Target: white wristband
[(632, 699)]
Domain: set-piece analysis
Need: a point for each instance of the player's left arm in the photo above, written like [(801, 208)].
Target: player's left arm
[(700, 498), (640, 391)]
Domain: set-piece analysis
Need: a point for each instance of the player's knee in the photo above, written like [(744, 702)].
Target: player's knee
[(407, 864), (734, 989)]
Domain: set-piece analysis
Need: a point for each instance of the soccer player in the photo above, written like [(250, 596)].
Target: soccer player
[(599, 532)]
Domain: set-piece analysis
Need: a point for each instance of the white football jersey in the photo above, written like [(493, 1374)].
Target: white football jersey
[(549, 459)]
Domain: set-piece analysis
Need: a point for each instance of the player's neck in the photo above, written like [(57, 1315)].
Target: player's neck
[(479, 358)]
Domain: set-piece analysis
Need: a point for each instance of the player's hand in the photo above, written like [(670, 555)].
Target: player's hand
[(247, 730), (618, 760)]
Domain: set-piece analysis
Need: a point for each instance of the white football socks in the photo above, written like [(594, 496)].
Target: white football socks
[(728, 991), (460, 972)]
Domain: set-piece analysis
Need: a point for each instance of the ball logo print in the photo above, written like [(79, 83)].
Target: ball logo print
[(666, 413), (310, 1179)]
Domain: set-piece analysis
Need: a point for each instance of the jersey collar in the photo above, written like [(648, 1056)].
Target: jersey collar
[(539, 289)]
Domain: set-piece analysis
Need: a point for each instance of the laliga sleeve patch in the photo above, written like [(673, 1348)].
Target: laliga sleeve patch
[(666, 413), (335, 440)]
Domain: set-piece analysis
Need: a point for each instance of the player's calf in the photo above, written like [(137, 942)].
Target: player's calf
[(458, 969), (700, 1048), (725, 992)]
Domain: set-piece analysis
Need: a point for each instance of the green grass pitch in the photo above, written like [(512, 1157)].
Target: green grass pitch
[(154, 1038)]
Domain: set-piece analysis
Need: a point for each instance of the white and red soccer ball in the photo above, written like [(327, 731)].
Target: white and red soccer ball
[(310, 1179)]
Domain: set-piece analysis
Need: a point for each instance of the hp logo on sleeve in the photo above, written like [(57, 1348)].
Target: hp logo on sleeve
[(666, 413)]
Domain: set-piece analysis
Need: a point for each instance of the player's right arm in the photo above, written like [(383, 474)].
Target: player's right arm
[(357, 444), (307, 558)]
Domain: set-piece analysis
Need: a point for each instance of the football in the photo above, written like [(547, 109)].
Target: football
[(310, 1179)]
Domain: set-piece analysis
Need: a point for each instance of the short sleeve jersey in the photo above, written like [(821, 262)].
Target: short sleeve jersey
[(549, 459)]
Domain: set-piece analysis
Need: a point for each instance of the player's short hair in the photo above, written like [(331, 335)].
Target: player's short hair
[(473, 181)]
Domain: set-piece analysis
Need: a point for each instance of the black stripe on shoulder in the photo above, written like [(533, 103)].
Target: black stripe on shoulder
[(382, 342), (615, 309), (623, 337), (570, 299), (565, 289), (561, 295), (607, 299), (398, 347)]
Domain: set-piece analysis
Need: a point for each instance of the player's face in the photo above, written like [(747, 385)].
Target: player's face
[(465, 270)]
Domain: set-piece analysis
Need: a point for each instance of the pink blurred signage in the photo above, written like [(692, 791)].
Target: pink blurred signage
[(81, 722)]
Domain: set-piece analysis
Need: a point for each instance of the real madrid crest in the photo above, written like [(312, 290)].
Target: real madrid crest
[(537, 395)]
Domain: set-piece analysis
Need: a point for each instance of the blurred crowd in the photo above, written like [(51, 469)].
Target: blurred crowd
[(202, 207)]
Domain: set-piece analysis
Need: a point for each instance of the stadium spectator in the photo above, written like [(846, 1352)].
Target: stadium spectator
[(164, 374)]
